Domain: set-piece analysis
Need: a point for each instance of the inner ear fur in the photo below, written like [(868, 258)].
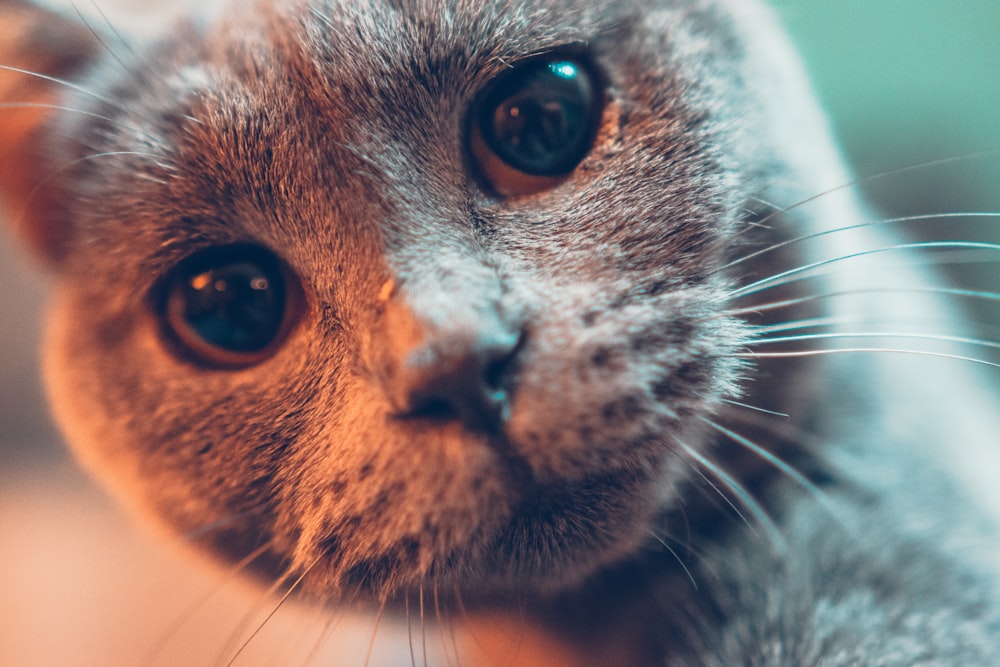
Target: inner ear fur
[(45, 44)]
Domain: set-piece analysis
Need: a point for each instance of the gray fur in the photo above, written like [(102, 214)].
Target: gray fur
[(334, 134)]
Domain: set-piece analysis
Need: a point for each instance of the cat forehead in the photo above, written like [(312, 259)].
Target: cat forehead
[(394, 60), (379, 32), (315, 67), (352, 58), (257, 115), (361, 41)]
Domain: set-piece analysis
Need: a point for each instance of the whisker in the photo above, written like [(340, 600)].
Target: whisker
[(442, 622), (274, 609), (788, 430), (97, 36), (171, 631), (727, 500), (976, 342), (56, 107), (784, 277), (807, 323), (756, 409), (701, 555), (314, 10), (200, 532), (790, 303), (94, 156), (925, 217), (292, 641), (766, 202), (332, 622), (676, 556), (371, 642), (746, 499), (70, 85), (124, 43), (423, 626), (111, 26), (247, 618), (861, 350), (469, 626), (867, 179), (793, 474), (69, 165), (409, 628)]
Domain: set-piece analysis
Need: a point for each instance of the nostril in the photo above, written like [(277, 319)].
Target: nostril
[(497, 372), (461, 378), (427, 407)]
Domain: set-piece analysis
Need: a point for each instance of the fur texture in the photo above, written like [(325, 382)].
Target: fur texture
[(625, 312)]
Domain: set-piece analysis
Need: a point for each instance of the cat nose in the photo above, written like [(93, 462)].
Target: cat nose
[(451, 363), (462, 375)]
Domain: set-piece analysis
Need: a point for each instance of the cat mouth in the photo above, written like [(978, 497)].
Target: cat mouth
[(558, 533), (490, 428), (555, 535)]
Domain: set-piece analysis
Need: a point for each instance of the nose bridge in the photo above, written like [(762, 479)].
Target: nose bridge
[(449, 343)]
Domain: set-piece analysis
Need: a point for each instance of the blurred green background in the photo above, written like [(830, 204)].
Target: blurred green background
[(905, 82), (917, 82)]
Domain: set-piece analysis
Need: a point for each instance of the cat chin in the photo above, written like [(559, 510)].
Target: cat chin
[(469, 517), (557, 537)]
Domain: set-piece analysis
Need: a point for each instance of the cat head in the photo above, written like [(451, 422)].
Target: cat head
[(395, 293)]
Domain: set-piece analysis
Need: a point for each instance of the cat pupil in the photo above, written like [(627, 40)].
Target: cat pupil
[(238, 312), (226, 306)]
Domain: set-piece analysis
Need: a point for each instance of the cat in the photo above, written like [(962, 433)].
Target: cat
[(555, 311)]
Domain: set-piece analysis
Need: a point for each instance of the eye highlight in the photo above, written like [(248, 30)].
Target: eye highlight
[(535, 124), (228, 307)]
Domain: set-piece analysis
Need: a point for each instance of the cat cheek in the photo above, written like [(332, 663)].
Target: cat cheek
[(606, 393)]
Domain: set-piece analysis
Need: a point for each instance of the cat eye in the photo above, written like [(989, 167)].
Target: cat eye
[(228, 307), (535, 124)]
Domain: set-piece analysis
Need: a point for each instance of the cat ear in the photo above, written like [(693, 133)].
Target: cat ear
[(37, 48)]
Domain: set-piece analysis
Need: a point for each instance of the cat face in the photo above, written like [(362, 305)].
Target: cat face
[(421, 292)]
